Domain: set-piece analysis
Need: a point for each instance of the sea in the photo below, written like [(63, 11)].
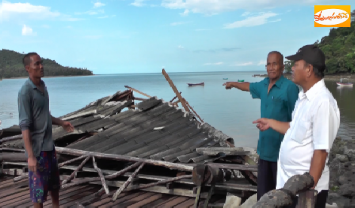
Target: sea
[(230, 111)]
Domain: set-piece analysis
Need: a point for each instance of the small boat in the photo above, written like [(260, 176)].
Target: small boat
[(225, 78), (240, 80), (342, 83), (197, 84)]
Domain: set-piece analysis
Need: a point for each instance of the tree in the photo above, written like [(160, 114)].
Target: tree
[(288, 66)]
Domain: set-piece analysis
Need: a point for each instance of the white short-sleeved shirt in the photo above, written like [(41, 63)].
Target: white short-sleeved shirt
[(315, 123)]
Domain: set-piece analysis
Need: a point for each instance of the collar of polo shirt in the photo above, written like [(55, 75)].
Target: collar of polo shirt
[(311, 93), (278, 82)]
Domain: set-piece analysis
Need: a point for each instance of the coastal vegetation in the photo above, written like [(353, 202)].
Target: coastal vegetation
[(338, 48), (11, 66)]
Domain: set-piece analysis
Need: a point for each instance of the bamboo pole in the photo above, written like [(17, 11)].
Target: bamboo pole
[(118, 192), (72, 160), (111, 176), (137, 91), (76, 152), (159, 182), (104, 185), (175, 90), (73, 175)]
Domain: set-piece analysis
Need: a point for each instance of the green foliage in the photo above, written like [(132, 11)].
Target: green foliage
[(11, 66), (339, 49)]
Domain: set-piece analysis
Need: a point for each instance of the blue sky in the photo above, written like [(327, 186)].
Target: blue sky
[(138, 36)]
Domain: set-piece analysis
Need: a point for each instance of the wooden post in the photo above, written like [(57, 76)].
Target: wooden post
[(114, 197), (159, 182), (72, 160), (175, 90)]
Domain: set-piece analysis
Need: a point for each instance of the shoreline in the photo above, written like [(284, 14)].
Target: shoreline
[(330, 77), (50, 76)]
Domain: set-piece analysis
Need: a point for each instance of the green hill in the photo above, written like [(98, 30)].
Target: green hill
[(11, 66), (339, 50)]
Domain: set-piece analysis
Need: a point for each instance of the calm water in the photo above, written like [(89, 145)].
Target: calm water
[(231, 111)]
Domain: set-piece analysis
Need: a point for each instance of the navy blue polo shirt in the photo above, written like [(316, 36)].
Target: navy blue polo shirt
[(278, 104)]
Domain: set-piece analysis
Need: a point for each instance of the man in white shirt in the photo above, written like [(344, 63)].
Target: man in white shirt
[(315, 123)]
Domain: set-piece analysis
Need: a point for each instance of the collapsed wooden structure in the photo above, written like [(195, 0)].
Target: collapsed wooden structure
[(120, 148)]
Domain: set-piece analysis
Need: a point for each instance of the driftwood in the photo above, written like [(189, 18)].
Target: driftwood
[(112, 176), (181, 99), (114, 197), (159, 182), (11, 138), (75, 152), (104, 185), (137, 91), (72, 160), (14, 157), (73, 175), (285, 196), (11, 149), (174, 98)]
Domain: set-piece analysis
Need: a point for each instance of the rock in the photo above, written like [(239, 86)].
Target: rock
[(342, 158), (232, 201), (350, 153), (249, 202), (341, 201), (347, 190), (337, 148), (347, 178)]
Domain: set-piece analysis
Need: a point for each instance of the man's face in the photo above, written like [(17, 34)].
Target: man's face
[(274, 66), (35, 68), (299, 72)]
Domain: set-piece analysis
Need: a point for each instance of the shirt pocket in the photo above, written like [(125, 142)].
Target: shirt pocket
[(301, 131)]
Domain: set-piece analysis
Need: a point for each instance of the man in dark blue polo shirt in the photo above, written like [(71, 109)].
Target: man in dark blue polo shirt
[(36, 126), (278, 96)]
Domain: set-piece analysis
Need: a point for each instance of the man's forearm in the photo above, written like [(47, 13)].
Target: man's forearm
[(244, 86), (317, 165), (279, 126), (27, 141), (57, 121)]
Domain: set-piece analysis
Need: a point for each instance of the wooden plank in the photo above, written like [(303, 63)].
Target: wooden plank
[(185, 204), (173, 202), (146, 201), (121, 199)]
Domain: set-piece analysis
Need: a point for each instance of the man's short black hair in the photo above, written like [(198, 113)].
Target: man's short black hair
[(27, 58), (278, 53), (317, 71)]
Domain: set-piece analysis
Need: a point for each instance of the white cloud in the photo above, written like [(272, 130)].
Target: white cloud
[(177, 23), (98, 4), (215, 64), (26, 31), (28, 11), (260, 19), (211, 7), (245, 14), (185, 13), (138, 3), (91, 12), (180, 47), (9, 10), (244, 64), (262, 62), (103, 17)]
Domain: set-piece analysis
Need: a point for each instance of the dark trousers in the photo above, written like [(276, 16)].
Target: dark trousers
[(320, 202), (267, 172)]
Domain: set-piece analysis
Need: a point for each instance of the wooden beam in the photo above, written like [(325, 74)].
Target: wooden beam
[(104, 185), (118, 192), (76, 152), (175, 90), (73, 175), (137, 91)]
